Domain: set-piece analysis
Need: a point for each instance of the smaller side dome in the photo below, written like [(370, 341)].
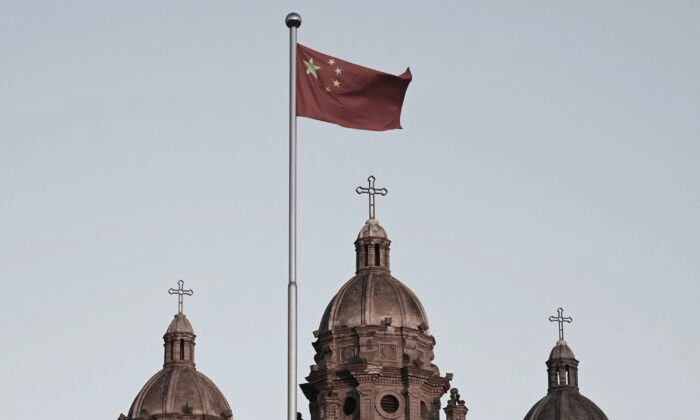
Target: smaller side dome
[(179, 392), (563, 400), (565, 406)]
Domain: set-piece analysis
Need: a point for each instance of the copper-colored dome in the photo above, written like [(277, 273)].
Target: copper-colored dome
[(179, 390), (369, 298)]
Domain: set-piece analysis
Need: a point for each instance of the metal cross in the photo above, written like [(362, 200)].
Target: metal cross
[(371, 191), (180, 292), (561, 319)]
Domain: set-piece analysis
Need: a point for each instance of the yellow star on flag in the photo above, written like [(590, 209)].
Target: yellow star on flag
[(311, 68)]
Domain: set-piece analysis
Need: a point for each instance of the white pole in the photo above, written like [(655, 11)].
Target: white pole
[(293, 21)]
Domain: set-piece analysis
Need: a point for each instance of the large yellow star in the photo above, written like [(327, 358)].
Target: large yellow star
[(311, 68)]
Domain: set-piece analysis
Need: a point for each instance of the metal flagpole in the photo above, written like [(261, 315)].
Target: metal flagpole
[(293, 21)]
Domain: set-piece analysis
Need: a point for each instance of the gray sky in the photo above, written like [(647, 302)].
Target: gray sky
[(548, 158)]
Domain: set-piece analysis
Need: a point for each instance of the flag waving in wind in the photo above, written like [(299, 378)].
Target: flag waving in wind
[(339, 92)]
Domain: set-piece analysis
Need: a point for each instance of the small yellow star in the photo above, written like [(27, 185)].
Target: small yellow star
[(331, 61), (328, 89), (336, 83), (338, 71)]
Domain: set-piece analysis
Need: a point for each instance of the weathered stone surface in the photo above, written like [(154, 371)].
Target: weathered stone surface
[(178, 390), (370, 298)]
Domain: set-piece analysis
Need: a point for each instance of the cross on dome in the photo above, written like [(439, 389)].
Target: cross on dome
[(561, 319), (180, 292), (371, 191)]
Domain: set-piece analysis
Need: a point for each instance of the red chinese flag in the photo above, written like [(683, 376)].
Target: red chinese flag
[(333, 90)]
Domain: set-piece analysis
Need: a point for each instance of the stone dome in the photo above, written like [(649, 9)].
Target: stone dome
[(370, 298), (373, 296), (373, 350), (177, 391), (565, 405), (563, 400)]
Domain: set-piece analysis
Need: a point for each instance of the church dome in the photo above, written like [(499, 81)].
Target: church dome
[(373, 351), (177, 391), (563, 400), (565, 406), (373, 296)]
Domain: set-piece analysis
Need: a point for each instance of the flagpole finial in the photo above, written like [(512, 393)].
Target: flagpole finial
[(293, 20)]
